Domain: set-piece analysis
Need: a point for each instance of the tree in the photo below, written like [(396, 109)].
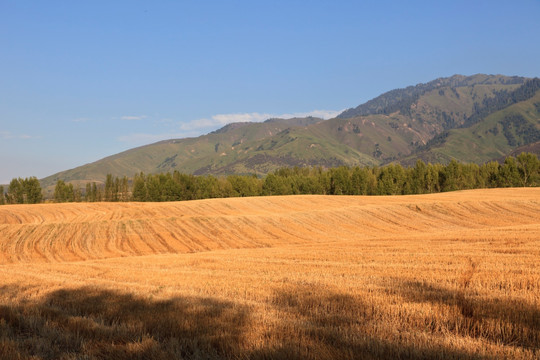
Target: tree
[(340, 181), (109, 188), (88, 192), (208, 187), (24, 191), (509, 173), (245, 185), (432, 178), (362, 181), (91, 194), (2, 197), (470, 178), (98, 191), (451, 176), (489, 173), (15, 194), (528, 167), (124, 189), (275, 185), (139, 188), (63, 192), (32, 189), (391, 180), (419, 178)]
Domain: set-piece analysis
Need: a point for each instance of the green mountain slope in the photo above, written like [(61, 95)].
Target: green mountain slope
[(186, 155), (495, 136), (475, 118)]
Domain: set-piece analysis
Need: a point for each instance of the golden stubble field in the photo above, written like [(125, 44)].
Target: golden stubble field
[(452, 275)]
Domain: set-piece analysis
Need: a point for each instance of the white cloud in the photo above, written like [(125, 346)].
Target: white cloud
[(323, 114), (143, 138), (224, 119), (132, 117), (8, 135), (81, 119), (197, 127)]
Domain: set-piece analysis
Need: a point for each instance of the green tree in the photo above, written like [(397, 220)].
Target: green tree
[(124, 189), (98, 191), (391, 180), (208, 187), (15, 194), (245, 185), (87, 192), (24, 191), (91, 193), (470, 176), (153, 188), (2, 196), (63, 192), (109, 188), (419, 178), (451, 176), (139, 187), (362, 180), (509, 174), (340, 181), (275, 185), (528, 167), (432, 178), (32, 189), (490, 174)]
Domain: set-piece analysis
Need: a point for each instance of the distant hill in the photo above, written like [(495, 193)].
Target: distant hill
[(469, 118)]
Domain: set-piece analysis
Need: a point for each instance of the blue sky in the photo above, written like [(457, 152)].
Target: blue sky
[(83, 80)]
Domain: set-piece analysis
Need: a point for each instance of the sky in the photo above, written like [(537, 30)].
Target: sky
[(82, 80)]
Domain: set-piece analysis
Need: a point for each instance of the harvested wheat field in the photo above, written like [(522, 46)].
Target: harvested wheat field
[(442, 276)]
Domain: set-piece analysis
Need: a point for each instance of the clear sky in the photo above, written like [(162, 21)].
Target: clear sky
[(81, 80)]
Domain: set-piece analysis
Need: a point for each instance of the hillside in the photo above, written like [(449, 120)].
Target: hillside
[(189, 155), (476, 118), (509, 131)]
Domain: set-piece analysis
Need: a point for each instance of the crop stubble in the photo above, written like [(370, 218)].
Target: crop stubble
[(451, 275)]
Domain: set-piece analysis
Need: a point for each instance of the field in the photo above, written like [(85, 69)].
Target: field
[(442, 276)]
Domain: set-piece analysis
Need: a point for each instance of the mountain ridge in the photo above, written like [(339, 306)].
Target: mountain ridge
[(400, 125)]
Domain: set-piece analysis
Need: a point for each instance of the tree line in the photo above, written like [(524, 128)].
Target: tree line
[(22, 191), (392, 179)]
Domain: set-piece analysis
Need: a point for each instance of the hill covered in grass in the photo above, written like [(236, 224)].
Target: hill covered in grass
[(468, 118)]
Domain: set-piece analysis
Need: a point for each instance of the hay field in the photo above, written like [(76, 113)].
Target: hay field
[(452, 275)]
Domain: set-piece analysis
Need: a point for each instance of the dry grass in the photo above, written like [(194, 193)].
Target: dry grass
[(451, 275)]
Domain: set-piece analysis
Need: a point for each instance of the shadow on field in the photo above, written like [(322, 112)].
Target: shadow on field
[(308, 322), (91, 323), (321, 324), (506, 321)]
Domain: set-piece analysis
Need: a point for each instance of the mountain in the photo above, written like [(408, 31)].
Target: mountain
[(503, 125), (189, 155), (469, 118)]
